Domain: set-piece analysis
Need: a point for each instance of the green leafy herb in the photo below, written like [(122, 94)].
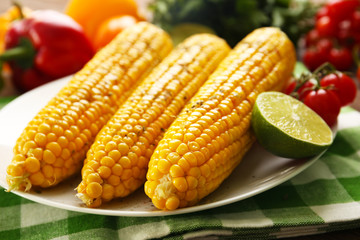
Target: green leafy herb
[(234, 19)]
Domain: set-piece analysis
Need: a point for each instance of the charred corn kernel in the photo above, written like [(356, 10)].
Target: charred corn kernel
[(135, 130), (214, 125), (65, 128)]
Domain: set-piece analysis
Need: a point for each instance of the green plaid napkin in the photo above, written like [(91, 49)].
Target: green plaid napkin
[(324, 198)]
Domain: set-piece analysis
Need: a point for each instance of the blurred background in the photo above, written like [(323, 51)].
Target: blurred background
[(306, 22)]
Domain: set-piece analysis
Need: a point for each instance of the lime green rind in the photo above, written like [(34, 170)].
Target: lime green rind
[(282, 143)]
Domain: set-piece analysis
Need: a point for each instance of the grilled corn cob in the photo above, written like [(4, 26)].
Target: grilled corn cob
[(211, 135), (54, 144), (116, 163)]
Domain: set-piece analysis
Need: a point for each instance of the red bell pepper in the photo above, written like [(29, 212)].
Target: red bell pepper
[(43, 47)]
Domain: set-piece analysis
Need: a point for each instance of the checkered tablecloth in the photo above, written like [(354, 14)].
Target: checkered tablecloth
[(323, 198)]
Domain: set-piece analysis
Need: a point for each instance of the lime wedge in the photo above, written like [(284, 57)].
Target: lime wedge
[(184, 30), (288, 128)]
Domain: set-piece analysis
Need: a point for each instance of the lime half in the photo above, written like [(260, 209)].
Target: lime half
[(288, 128)]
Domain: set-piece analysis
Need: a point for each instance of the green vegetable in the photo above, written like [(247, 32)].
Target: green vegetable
[(234, 19)]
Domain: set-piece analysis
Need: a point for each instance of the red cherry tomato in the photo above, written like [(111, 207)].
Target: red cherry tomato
[(324, 46), (325, 103), (290, 88), (342, 85), (326, 27), (355, 21), (302, 91), (311, 38), (313, 58), (340, 9), (306, 88), (341, 58), (323, 11)]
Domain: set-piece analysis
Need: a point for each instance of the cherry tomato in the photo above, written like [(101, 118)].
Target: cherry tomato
[(341, 58), (306, 88), (325, 103), (311, 38), (355, 21), (290, 87), (313, 58), (342, 85), (323, 11), (326, 27), (340, 9), (324, 46), (302, 91)]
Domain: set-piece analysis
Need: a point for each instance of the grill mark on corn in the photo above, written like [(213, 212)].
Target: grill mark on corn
[(53, 145), (212, 133), (137, 127)]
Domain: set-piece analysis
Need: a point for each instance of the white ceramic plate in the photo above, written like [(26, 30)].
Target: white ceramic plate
[(258, 172)]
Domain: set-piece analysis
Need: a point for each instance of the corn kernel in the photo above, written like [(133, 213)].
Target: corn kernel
[(40, 139), (44, 128), (37, 178), (205, 170), (182, 149), (176, 171), (173, 157), (69, 135), (15, 170), (191, 195), (94, 190), (180, 184), (59, 162), (98, 155), (49, 157), (172, 203), (63, 142), (32, 164), (159, 203), (131, 184), (51, 137), (136, 150), (65, 154), (125, 162), (48, 171), (93, 177), (28, 146), (192, 182), (189, 137), (119, 190), (114, 180), (164, 165), (117, 169), (195, 172), (173, 144), (107, 161), (127, 174), (104, 171), (191, 159), (55, 148), (110, 146), (184, 164), (199, 157)]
